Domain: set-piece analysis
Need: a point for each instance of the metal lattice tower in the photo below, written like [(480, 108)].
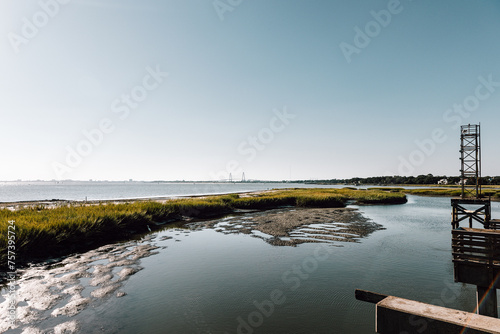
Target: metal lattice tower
[(243, 178), (230, 177), (470, 150)]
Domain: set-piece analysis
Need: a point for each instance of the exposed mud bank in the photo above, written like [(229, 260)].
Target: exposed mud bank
[(293, 226)]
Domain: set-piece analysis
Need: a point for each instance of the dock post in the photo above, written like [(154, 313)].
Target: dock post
[(487, 301)]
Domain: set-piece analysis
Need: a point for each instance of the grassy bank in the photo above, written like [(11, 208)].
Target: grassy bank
[(494, 193), (41, 232)]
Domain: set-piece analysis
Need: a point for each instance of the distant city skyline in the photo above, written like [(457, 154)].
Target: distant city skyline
[(281, 89)]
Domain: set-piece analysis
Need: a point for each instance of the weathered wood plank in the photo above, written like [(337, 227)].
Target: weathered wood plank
[(398, 315), (475, 232), (478, 259)]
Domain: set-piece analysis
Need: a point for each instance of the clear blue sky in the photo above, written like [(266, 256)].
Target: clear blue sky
[(351, 104)]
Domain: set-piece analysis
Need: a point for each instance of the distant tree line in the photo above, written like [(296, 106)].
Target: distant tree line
[(402, 180)]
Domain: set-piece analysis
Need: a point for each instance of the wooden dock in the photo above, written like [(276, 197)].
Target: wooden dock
[(398, 315), (476, 255), (476, 260)]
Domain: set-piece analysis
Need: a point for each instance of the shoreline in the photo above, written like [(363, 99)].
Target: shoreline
[(55, 202), (55, 229), (430, 190)]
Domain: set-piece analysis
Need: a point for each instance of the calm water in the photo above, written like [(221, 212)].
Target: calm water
[(204, 281), (70, 190)]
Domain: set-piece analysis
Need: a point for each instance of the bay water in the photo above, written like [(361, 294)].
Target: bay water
[(204, 281)]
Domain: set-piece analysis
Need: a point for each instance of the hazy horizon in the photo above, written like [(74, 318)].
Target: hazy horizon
[(234, 180), (281, 90)]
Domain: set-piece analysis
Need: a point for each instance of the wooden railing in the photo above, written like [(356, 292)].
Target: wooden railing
[(481, 214), (476, 246), (495, 224)]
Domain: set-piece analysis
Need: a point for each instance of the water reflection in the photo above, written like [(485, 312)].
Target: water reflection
[(205, 281)]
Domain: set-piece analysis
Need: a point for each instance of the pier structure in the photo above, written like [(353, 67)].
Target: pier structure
[(471, 206), (476, 261), (476, 251)]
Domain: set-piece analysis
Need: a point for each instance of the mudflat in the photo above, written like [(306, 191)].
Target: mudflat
[(292, 226)]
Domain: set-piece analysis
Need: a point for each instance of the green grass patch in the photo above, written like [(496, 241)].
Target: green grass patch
[(494, 194), (435, 192), (390, 189), (51, 232), (448, 191)]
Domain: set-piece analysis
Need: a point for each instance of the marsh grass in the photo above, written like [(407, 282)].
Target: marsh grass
[(51, 232), (434, 192), (449, 191)]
